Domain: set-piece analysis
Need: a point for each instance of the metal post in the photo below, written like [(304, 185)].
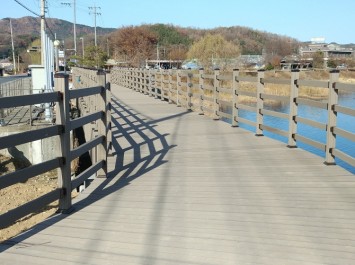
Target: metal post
[(332, 118), (235, 88), (292, 127), (259, 103)]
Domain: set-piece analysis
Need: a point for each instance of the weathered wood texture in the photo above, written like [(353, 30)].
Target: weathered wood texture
[(184, 189)]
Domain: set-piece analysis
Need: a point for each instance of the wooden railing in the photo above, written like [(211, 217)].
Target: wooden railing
[(62, 129), (209, 93)]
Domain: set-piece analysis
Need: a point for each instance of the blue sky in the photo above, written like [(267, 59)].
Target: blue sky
[(300, 19)]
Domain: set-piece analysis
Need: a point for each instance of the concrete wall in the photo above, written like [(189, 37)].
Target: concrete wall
[(33, 152)]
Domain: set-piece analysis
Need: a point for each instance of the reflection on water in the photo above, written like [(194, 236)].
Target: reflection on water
[(344, 122)]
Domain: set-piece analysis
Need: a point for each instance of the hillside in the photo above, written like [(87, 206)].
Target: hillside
[(26, 29)]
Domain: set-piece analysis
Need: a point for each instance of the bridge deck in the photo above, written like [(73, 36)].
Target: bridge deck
[(184, 189)]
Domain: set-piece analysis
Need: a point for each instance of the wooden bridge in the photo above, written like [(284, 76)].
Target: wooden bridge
[(182, 188)]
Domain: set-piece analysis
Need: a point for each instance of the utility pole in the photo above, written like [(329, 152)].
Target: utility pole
[(95, 13), (43, 34), (74, 27), (13, 48), (74, 7)]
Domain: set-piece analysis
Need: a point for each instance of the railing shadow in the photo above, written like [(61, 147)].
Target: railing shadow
[(137, 148)]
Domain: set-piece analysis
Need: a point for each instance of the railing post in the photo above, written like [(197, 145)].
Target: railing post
[(189, 91), (259, 103), (292, 124), (156, 84), (142, 83), (216, 85), (146, 81), (133, 70), (332, 118), (130, 79), (134, 79), (170, 85), (123, 77), (103, 125), (235, 87), (63, 118), (140, 78), (162, 80), (150, 85), (127, 78), (202, 92), (178, 85)]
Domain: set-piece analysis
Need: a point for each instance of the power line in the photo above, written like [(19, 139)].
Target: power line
[(27, 8), (50, 31)]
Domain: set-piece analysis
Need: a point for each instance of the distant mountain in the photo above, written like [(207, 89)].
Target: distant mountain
[(26, 29)]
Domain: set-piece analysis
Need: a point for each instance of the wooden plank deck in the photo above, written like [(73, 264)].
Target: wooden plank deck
[(184, 189)]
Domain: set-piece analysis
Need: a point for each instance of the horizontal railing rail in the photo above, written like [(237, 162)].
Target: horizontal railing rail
[(64, 125), (209, 92)]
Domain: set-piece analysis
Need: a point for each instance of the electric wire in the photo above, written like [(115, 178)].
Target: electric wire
[(50, 30), (27, 8)]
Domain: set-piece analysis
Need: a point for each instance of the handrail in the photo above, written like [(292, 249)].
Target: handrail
[(206, 93), (17, 101), (30, 136), (98, 88)]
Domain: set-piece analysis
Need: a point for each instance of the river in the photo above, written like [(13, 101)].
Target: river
[(344, 122)]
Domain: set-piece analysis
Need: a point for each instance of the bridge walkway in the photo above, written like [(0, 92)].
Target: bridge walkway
[(184, 189)]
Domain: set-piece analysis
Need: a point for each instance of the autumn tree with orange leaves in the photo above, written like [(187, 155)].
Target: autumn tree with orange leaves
[(133, 45)]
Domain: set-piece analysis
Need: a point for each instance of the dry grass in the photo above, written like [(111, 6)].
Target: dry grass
[(21, 193)]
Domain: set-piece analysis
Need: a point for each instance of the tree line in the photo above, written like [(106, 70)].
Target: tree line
[(134, 44)]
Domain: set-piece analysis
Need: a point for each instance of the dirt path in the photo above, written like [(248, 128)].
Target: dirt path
[(21, 193)]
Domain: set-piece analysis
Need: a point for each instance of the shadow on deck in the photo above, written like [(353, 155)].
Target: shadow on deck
[(125, 123)]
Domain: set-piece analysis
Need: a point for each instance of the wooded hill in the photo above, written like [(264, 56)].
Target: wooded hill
[(172, 41), (27, 29), (134, 44)]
